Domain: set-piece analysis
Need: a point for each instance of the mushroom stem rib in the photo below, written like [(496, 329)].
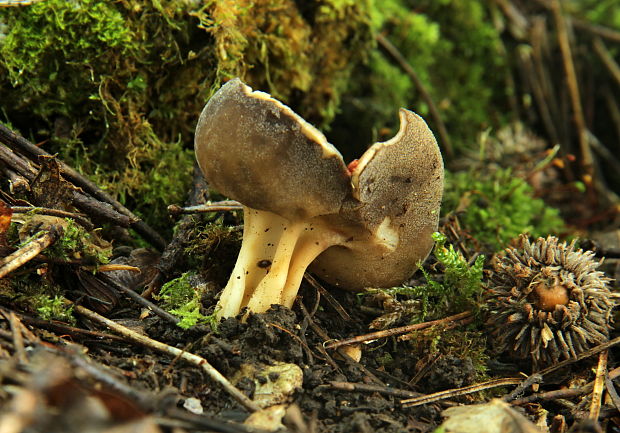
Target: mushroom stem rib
[(259, 235), (269, 290), (308, 249), (273, 258)]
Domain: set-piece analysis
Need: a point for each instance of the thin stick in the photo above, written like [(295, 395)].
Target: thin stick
[(78, 217), (527, 382), (59, 327), (604, 32), (396, 331), (26, 253), (137, 298), (174, 352), (582, 355), (562, 364), (599, 385), (614, 112), (365, 387), (18, 338), (442, 395), (611, 390), (17, 184), (608, 60), (406, 66), (573, 88), (450, 325), (329, 297), (562, 393), (219, 206)]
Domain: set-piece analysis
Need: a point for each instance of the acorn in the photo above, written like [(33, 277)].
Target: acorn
[(547, 301)]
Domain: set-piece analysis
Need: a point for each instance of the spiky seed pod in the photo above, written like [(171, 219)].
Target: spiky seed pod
[(547, 301)]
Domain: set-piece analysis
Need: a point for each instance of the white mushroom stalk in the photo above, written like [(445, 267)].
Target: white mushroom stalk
[(274, 255), (369, 226)]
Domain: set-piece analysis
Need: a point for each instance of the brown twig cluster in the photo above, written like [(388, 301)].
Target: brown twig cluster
[(555, 51)]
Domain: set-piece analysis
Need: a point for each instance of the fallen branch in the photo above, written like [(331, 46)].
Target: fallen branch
[(16, 141), (86, 203), (173, 351), (26, 253)]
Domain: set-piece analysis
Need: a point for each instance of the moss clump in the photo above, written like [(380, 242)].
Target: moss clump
[(301, 52), (77, 243), (459, 343), (458, 289), (115, 88), (36, 295), (497, 206), (182, 299), (85, 76), (53, 308), (74, 243)]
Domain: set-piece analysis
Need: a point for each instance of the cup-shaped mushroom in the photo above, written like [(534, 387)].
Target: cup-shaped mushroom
[(368, 227)]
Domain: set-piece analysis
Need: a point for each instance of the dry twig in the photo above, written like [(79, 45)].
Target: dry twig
[(611, 390), (608, 60), (173, 351), (397, 331), (573, 88), (329, 297), (218, 206), (442, 395), (78, 217), (365, 387), (599, 385), (26, 253)]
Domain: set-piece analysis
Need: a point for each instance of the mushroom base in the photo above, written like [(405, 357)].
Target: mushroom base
[(274, 255)]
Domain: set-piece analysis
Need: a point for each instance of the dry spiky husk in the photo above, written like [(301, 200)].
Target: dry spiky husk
[(519, 322)]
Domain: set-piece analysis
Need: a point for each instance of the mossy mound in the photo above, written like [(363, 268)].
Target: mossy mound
[(115, 87)]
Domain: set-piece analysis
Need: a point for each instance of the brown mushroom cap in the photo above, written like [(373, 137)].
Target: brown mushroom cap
[(256, 150), (368, 227), (398, 186)]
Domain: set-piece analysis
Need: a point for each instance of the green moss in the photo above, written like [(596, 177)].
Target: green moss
[(88, 76), (453, 48), (180, 298), (77, 243), (115, 88), (302, 54), (495, 207), (37, 296), (458, 289), (53, 308), (457, 342)]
